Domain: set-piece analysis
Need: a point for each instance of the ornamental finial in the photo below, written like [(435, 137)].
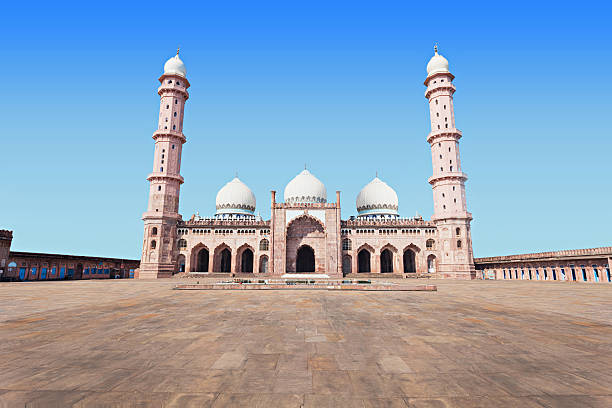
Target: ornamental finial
[(436, 48), (177, 51), (304, 166), (376, 173)]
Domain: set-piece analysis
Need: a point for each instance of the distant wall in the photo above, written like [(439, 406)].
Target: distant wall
[(32, 266), (576, 265)]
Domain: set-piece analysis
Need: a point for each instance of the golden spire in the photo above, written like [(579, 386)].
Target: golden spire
[(177, 51), (436, 48)]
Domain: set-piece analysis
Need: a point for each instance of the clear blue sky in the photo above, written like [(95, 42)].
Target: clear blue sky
[(336, 84)]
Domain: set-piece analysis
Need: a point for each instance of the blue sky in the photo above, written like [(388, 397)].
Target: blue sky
[(338, 85)]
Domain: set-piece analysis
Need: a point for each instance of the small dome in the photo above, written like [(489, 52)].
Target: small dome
[(437, 64), (377, 198), (305, 188), (235, 198), (174, 66)]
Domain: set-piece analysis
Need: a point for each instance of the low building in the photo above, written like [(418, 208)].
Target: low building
[(577, 265), (30, 266)]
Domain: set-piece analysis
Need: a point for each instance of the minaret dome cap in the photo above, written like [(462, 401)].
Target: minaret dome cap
[(437, 64), (174, 66)]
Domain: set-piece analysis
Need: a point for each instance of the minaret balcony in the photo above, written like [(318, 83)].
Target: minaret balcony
[(439, 87), (169, 134), (439, 135), (448, 176), (165, 176)]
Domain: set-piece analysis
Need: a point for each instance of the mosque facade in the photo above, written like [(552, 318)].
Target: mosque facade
[(306, 232)]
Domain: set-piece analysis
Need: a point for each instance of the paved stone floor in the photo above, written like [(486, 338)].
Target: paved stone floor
[(471, 344)]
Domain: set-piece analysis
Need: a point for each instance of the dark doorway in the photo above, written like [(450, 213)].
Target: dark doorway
[(78, 273), (346, 265), (202, 260), (246, 262), (409, 261), (363, 261), (226, 260), (386, 261), (305, 259), (181, 263)]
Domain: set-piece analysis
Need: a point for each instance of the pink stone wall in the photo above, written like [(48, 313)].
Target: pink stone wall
[(579, 265)]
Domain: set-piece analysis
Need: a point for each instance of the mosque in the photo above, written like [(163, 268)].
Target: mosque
[(306, 233)]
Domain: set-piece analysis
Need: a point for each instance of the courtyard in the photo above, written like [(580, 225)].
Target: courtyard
[(470, 344)]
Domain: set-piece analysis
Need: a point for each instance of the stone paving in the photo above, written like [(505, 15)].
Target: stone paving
[(471, 344)]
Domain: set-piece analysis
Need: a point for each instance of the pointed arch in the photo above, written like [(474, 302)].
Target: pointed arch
[(222, 258), (432, 264), (347, 264), (389, 247), (263, 264), (409, 258), (305, 259), (244, 258), (180, 267), (200, 258), (367, 247), (364, 261), (307, 225)]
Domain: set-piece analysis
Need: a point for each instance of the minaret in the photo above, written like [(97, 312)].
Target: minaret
[(448, 181), (160, 251)]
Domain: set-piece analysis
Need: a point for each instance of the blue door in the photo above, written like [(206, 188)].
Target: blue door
[(596, 274), (62, 272), (22, 273), (43, 273), (53, 271)]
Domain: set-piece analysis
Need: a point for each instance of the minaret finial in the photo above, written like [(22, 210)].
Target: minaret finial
[(304, 166), (436, 48), (177, 51), (376, 173)]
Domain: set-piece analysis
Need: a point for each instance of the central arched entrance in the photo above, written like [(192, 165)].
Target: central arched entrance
[(226, 261), (246, 261), (305, 261), (203, 260), (363, 261)]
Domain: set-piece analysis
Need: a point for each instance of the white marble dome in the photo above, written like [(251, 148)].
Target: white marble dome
[(377, 199), (305, 188), (235, 198), (437, 64), (174, 66)]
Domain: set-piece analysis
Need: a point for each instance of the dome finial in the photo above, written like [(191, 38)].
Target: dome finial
[(236, 174), (177, 51), (436, 47), (376, 173), (304, 166)]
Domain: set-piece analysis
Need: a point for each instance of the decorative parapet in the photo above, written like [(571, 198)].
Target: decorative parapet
[(601, 252), (6, 234), (303, 206), (213, 222), (398, 222)]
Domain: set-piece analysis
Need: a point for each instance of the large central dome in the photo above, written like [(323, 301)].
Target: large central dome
[(235, 198), (377, 199), (305, 188)]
